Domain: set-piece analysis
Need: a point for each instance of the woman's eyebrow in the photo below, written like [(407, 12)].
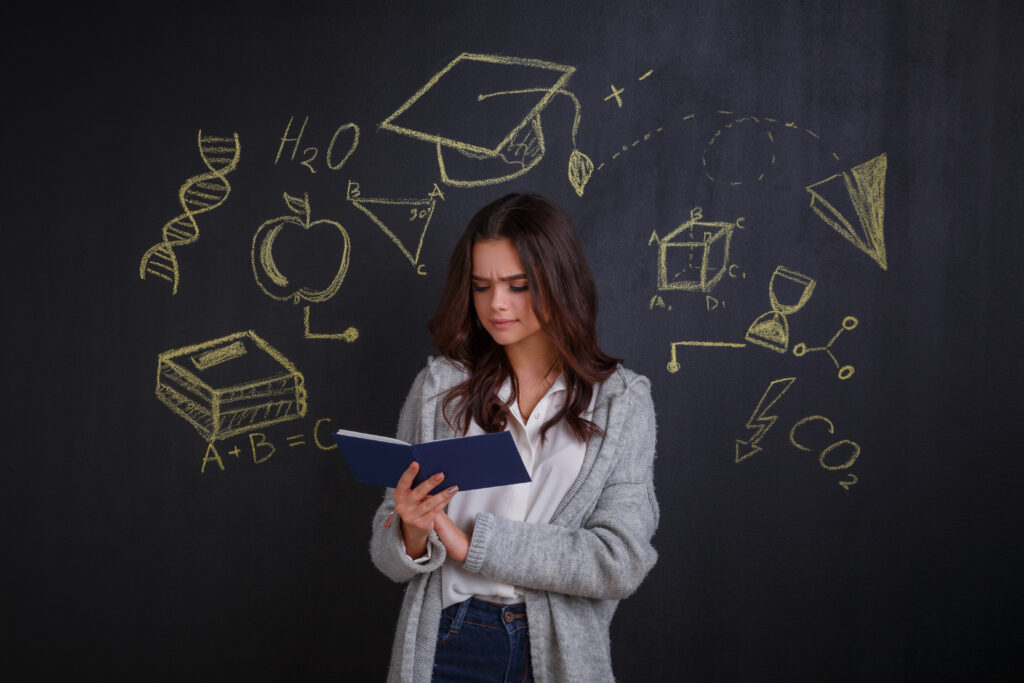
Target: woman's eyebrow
[(520, 276)]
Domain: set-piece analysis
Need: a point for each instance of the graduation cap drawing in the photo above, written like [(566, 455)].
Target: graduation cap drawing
[(482, 113)]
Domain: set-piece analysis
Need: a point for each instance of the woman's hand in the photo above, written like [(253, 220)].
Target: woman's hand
[(418, 510), (455, 540)]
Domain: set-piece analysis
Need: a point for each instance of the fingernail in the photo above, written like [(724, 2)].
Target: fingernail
[(453, 490), (438, 477)]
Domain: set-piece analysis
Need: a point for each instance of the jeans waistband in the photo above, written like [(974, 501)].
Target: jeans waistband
[(483, 613)]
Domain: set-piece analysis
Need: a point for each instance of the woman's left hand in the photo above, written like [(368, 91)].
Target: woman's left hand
[(455, 540)]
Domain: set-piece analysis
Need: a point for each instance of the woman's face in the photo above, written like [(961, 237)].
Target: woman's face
[(501, 295)]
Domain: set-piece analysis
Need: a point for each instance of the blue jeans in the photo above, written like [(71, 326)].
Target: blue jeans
[(483, 641)]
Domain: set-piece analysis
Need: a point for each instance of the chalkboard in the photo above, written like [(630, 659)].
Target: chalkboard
[(227, 227)]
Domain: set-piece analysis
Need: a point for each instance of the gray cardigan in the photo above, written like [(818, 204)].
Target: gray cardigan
[(573, 572)]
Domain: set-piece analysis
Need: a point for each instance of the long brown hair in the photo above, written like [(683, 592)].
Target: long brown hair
[(560, 285)]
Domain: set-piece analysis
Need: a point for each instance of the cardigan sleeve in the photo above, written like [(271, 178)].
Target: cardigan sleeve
[(387, 547), (611, 553)]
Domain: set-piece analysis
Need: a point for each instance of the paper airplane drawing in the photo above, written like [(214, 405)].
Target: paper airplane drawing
[(861, 189)]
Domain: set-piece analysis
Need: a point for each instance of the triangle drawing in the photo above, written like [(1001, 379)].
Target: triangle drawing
[(404, 221), (861, 189)]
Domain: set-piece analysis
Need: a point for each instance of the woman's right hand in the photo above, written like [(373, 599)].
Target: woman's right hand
[(417, 509)]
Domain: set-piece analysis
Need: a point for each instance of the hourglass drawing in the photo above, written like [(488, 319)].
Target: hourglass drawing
[(771, 329)]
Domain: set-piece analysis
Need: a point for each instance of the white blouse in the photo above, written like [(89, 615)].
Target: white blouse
[(553, 466)]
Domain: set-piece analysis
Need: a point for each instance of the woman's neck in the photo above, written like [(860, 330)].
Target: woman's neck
[(534, 363), (535, 366)]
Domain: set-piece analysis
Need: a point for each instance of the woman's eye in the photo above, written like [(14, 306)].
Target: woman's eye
[(479, 288), (518, 288)]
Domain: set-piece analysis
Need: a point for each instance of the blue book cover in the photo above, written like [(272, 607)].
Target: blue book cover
[(469, 462)]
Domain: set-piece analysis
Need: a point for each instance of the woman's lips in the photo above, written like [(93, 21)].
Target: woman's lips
[(502, 323)]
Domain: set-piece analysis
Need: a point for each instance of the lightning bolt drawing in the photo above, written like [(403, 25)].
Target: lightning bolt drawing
[(760, 422)]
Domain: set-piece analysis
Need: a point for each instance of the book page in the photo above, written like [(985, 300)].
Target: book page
[(371, 437)]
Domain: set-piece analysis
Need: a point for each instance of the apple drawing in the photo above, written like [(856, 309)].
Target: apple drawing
[(269, 277)]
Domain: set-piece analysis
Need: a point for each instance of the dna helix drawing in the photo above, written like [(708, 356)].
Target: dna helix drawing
[(199, 194)]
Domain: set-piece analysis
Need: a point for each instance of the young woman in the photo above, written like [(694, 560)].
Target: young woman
[(520, 582)]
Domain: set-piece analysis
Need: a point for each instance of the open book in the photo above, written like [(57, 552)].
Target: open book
[(469, 462)]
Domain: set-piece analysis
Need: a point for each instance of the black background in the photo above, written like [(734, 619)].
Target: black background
[(128, 559)]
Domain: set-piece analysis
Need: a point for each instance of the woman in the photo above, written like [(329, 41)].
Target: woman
[(521, 582)]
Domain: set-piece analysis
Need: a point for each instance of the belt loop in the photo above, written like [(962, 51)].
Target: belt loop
[(460, 615)]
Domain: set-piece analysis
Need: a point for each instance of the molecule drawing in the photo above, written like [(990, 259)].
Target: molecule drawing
[(845, 371)]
